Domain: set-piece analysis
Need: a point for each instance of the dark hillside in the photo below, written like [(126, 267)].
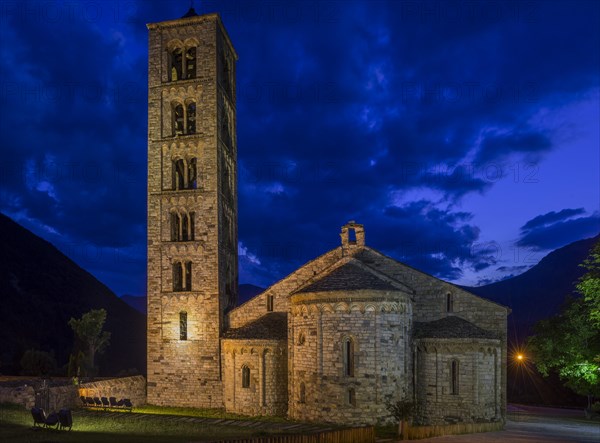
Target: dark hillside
[(41, 289)]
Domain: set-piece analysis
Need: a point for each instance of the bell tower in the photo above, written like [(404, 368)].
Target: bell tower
[(192, 207)]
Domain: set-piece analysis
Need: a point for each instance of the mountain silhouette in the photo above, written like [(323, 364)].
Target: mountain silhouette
[(41, 289), (540, 291), (137, 302)]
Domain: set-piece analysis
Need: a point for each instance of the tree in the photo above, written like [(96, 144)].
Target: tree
[(92, 339), (569, 343), (402, 410), (589, 284), (37, 363)]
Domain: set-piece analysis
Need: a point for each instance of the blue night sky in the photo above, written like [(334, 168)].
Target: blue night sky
[(463, 135)]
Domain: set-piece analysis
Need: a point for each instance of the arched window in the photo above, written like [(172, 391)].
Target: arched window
[(185, 174), (348, 357), (178, 174), (182, 276), (182, 226), (351, 397), (177, 112), (177, 276), (226, 73), (175, 220), (245, 376), (224, 126), (191, 236), (302, 393), (176, 63), (190, 63), (192, 174), (190, 126), (449, 302), (188, 276), (454, 377), (269, 303), (183, 325)]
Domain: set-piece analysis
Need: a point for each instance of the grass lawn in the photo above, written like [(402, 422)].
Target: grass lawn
[(16, 426)]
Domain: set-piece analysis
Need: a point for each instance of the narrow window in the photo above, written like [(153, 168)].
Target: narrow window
[(178, 174), (454, 377), (177, 119), (185, 228), (190, 63), (302, 393), (301, 339), (349, 357), (188, 276), (269, 303), (192, 174), (174, 226), (176, 64), (245, 377), (177, 277), (183, 325), (351, 397), (226, 73), (225, 126), (191, 234), (351, 236), (191, 118), (449, 303)]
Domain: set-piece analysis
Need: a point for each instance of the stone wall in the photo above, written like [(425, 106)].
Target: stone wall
[(20, 395), (430, 303), (280, 291), (378, 322), (478, 396), (267, 362), (133, 388)]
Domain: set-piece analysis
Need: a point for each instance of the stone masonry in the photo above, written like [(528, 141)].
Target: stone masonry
[(336, 340), (192, 207)]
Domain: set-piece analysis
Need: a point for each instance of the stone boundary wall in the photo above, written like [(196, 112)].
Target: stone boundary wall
[(67, 396), (63, 397), (20, 395), (133, 388)]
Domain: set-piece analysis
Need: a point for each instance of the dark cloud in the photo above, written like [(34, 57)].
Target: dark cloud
[(551, 217), (341, 107), (498, 146), (556, 229)]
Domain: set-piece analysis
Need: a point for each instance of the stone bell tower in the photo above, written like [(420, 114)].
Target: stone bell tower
[(192, 207)]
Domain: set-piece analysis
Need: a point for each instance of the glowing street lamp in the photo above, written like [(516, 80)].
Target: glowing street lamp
[(520, 357)]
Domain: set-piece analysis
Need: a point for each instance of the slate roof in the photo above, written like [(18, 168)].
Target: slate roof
[(271, 326), (348, 277), (451, 327)]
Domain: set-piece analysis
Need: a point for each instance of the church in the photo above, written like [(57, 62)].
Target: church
[(337, 340)]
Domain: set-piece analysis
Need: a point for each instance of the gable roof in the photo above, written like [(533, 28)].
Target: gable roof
[(376, 260), (450, 327), (348, 277), (271, 326)]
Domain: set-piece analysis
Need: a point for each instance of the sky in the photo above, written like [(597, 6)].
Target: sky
[(464, 135)]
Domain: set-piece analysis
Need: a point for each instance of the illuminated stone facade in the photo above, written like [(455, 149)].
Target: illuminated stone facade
[(335, 341), (192, 208)]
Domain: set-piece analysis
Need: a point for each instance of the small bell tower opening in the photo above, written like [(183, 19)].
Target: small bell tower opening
[(353, 236)]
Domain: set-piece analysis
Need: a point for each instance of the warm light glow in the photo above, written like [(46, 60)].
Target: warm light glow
[(520, 357)]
